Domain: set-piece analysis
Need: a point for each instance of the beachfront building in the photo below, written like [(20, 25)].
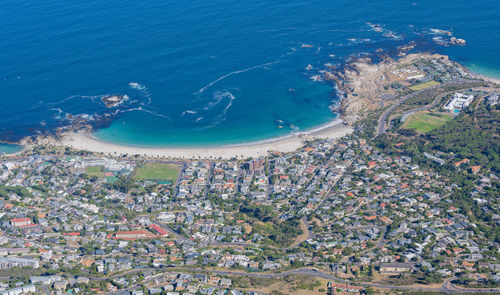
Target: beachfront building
[(459, 102)]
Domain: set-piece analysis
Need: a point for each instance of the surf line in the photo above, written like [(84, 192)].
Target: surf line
[(233, 73)]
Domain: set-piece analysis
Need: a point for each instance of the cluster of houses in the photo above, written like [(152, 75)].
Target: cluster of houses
[(363, 208)]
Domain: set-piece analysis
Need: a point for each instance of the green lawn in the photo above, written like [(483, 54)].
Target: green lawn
[(425, 122), (157, 171), (94, 171), (111, 179), (424, 85)]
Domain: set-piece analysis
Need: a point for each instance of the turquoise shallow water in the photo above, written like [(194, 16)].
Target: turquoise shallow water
[(208, 72), (9, 148)]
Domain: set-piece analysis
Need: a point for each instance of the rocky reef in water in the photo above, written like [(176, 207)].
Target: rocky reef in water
[(111, 101)]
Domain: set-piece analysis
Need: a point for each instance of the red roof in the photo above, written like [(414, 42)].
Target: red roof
[(131, 235), (160, 230), (71, 234), (20, 219)]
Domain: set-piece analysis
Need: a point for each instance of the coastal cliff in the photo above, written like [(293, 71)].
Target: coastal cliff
[(363, 84)]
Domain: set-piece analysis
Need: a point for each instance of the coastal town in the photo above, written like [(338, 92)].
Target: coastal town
[(393, 206)]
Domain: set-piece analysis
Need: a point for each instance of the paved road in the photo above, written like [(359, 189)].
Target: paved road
[(382, 121), (436, 100), (446, 287), (310, 234)]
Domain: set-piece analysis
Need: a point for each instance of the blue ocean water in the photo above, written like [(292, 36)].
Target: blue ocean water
[(208, 72)]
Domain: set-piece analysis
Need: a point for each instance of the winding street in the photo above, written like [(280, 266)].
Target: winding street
[(382, 122), (446, 287)]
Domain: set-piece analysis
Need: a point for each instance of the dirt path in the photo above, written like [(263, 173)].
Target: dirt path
[(304, 236)]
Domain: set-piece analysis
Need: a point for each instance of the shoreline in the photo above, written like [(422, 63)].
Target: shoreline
[(83, 140), (477, 75), (359, 82), (6, 154), (307, 132)]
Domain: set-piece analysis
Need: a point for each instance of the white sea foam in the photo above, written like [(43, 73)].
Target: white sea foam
[(157, 115), (198, 119), (57, 110), (144, 90), (393, 35), (379, 28), (439, 32), (201, 90), (125, 98), (137, 86), (222, 116), (141, 109), (188, 112), (375, 27), (316, 78), (231, 99), (218, 96), (94, 98)]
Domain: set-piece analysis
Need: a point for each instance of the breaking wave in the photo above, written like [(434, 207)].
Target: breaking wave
[(188, 112), (379, 28), (201, 90), (137, 86), (219, 96)]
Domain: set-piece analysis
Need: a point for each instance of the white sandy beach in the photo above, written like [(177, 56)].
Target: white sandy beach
[(487, 78), (85, 141)]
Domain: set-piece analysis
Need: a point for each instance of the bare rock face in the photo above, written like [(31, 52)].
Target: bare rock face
[(457, 41), (114, 100)]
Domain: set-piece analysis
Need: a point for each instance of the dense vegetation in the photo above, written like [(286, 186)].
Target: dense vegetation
[(6, 191), (265, 223), (473, 135)]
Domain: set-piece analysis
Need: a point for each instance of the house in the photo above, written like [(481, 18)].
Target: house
[(11, 262), (201, 277), (161, 231), (61, 285), (21, 222), (225, 282), (253, 265), (29, 289), (45, 280), (131, 235), (6, 251), (82, 280), (461, 162), (475, 169), (396, 268)]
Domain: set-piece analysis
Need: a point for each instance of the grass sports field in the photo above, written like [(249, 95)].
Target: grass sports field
[(424, 85), (157, 171), (94, 171), (425, 122)]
